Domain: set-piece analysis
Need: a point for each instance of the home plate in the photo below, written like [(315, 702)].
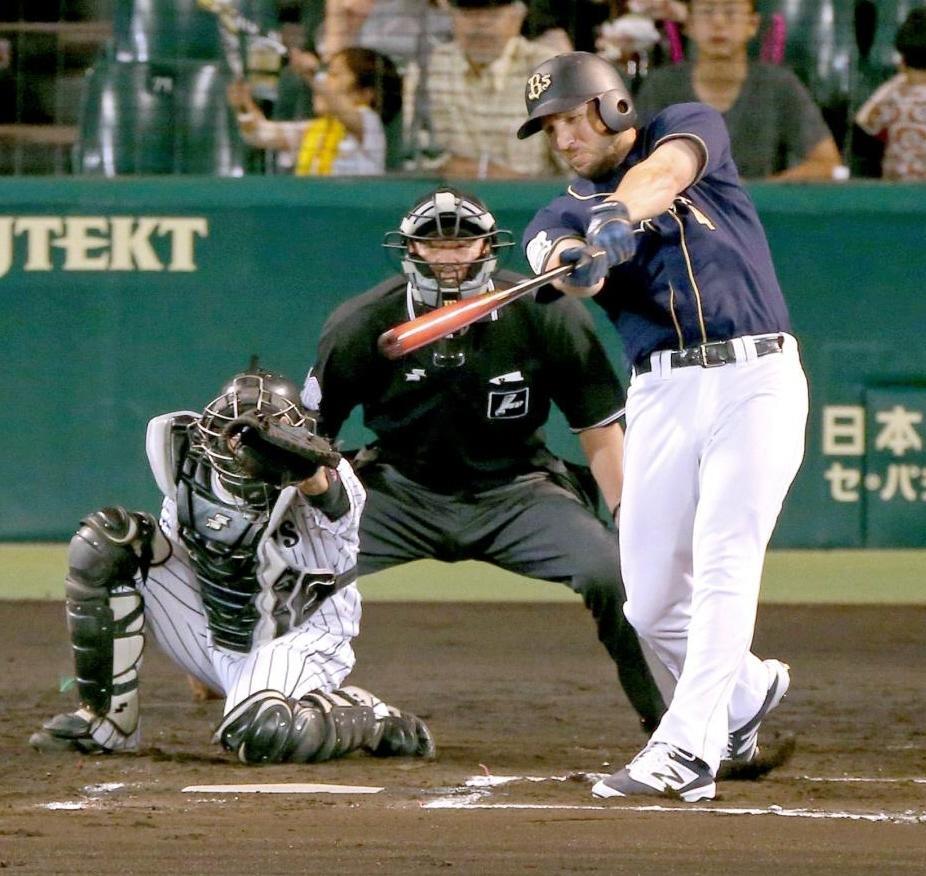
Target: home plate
[(285, 788)]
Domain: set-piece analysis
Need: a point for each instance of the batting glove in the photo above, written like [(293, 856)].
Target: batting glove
[(591, 265), (610, 230)]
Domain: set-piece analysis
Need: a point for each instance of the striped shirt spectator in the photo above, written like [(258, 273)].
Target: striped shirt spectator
[(474, 96)]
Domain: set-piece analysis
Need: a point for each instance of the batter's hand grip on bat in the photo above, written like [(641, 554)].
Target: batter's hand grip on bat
[(436, 324)]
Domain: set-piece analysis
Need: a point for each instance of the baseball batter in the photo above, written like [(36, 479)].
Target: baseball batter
[(459, 469), (662, 233), (247, 582)]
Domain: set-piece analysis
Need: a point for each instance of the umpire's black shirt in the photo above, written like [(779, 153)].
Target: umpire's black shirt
[(472, 427)]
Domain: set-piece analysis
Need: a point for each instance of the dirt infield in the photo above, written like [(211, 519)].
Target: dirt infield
[(509, 690)]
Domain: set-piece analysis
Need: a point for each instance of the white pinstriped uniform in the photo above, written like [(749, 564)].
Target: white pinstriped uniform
[(317, 654)]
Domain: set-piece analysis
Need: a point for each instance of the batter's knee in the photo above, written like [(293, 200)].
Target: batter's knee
[(646, 620)]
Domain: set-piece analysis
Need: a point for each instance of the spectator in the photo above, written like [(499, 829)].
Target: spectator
[(896, 112), (565, 24), (7, 83), (358, 94), (628, 42), (660, 10), (641, 35), (294, 93), (402, 29), (775, 127), (473, 96)]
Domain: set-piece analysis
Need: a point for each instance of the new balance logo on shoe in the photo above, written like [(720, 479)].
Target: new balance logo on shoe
[(673, 776), (660, 770)]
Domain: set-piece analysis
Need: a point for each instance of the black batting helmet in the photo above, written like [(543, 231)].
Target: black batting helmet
[(567, 81)]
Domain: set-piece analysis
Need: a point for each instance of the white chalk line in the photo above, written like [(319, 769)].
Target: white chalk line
[(874, 780), (892, 817), (89, 802), (492, 781), (483, 785)]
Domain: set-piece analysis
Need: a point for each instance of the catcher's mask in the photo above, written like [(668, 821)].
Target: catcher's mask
[(253, 392), (566, 81)]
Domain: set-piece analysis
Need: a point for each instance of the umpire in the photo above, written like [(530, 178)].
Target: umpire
[(459, 469)]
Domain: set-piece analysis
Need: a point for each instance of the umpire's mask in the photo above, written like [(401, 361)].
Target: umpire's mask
[(259, 392), (448, 246)]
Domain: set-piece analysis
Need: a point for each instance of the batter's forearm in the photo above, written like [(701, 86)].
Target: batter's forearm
[(650, 187), (646, 192)]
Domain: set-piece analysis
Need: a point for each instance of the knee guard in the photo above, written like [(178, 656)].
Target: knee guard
[(270, 728), (105, 611)]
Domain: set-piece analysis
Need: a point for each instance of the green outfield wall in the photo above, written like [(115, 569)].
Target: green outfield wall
[(124, 299)]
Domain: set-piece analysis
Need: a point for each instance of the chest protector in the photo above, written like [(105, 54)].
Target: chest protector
[(221, 538)]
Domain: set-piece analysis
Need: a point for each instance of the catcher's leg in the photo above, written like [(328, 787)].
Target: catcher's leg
[(105, 620), (201, 691), (268, 727)]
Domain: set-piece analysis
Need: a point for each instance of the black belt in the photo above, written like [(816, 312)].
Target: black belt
[(712, 354)]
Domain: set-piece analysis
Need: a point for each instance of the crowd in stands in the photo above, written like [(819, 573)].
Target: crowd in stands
[(369, 87), (896, 112)]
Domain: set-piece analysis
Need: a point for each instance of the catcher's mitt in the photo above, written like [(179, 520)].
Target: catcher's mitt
[(275, 452)]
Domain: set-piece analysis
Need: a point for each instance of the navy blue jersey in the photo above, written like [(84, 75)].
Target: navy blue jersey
[(702, 270)]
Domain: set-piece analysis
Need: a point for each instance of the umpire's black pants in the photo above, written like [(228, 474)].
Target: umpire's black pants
[(532, 527)]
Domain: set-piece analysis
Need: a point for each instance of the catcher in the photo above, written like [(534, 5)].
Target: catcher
[(247, 581)]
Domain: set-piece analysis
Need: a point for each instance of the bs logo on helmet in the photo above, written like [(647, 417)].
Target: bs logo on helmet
[(537, 85)]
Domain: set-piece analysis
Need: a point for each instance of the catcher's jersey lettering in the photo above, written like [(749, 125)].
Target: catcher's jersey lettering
[(288, 534), (508, 404), (102, 243)]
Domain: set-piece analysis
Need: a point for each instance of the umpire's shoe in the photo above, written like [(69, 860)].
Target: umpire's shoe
[(661, 770), (743, 743)]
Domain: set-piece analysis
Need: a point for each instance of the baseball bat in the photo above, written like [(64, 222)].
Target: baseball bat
[(409, 336)]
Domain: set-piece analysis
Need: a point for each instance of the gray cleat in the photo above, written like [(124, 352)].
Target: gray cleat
[(743, 743), (661, 770)]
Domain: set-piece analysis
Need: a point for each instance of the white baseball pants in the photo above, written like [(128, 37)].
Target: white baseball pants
[(709, 456)]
